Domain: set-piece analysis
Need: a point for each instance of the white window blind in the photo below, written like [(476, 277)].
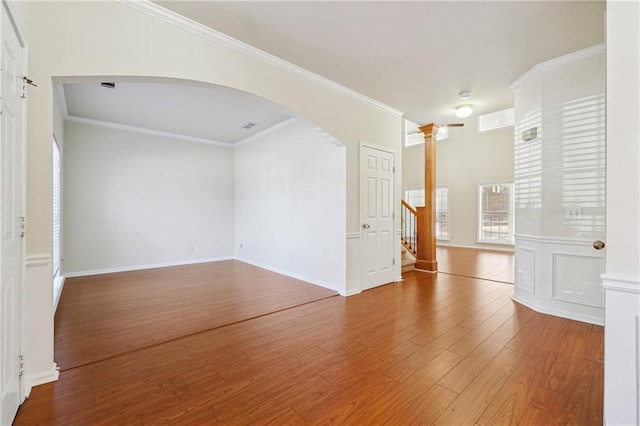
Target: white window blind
[(495, 213), (414, 197), (57, 180), (442, 213)]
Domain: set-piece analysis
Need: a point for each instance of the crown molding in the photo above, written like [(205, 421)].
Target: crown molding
[(556, 62), (265, 132), (179, 21), (145, 131)]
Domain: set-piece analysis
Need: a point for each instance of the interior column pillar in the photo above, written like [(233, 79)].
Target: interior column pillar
[(427, 230)]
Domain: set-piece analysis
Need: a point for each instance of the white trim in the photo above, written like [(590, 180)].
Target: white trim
[(146, 131), (560, 313), (386, 149), (38, 260), (210, 34), (552, 240), (557, 62), (621, 282), (141, 267), (352, 293), (41, 378), (300, 277), (328, 136), (353, 235), (17, 25), (60, 278), (265, 132), (62, 99), (398, 279)]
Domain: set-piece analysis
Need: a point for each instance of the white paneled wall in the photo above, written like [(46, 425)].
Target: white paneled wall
[(560, 186)]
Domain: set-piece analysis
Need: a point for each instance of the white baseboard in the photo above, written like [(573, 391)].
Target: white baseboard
[(352, 293), (558, 313), (300, 277), (398, 279), (41, 378), (141, 267)]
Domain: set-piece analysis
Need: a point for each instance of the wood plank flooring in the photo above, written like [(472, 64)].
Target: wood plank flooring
[(491, 265), (102, 316), (434, 349)]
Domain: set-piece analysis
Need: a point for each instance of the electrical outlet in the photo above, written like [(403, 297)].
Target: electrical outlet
[(573, 212)]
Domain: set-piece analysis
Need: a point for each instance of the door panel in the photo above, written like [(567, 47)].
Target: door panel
[(377, 179), (10, 200)]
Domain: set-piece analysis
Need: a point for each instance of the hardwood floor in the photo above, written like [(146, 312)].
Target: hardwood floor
[(102, 316), (486, 264), (435, 349)]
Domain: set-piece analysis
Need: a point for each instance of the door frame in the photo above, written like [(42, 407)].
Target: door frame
[(13, 16), (396, 238)]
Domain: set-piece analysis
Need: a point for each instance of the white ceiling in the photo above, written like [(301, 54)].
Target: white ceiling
[(415, 56), (207, 112)]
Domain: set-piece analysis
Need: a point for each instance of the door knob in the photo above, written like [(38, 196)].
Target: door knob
[(365, 225), (598, 245)]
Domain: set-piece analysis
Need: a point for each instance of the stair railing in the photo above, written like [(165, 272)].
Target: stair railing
[(409, 227)]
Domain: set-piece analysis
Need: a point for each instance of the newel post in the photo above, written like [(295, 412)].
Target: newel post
[(427, 217)]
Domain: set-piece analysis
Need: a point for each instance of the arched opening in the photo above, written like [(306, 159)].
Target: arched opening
[(166, 172)]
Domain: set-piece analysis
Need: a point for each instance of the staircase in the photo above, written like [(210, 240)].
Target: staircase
[(408, 261), (409, 226)]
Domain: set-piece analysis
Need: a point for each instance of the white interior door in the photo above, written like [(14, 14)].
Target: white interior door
[(10, 202), (376, 206)]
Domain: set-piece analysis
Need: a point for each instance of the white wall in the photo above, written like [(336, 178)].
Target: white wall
[(464, 160), (290, 205), (134, 200), (112, 39), (622, 277)]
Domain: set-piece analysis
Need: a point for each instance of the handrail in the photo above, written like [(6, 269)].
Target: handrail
[(409, 227), (408, 206)]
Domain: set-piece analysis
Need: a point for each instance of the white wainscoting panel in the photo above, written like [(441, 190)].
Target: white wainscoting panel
[(525, 269), (354, 279), (573, 279), (560, 276), (622, 349)]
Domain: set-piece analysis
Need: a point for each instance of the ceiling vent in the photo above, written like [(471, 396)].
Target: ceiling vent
[(108, 84), (249, 125)]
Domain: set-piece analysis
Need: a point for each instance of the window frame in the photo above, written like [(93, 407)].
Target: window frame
[(448, 238), (510, 216), (56, 255), (421, 189)]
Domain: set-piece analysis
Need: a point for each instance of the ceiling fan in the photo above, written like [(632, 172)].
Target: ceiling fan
[(439, 125)]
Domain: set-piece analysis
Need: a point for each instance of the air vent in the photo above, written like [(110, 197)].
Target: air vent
[(249, 125), (108, 84)]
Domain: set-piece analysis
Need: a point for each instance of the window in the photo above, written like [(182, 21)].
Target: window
[(57, 226), (415, 198), (442, 213), (495, 206), (496, 120)]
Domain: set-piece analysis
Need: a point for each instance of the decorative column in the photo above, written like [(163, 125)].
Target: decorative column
[(426, 260)]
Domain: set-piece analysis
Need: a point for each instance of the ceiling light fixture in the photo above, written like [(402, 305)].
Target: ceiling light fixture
[(464, 111)]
